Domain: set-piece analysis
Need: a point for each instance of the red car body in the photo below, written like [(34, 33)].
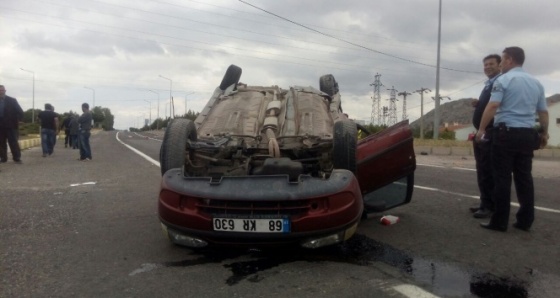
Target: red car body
[(303, 200)]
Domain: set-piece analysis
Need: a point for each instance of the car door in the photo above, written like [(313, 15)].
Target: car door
[(385, 167)]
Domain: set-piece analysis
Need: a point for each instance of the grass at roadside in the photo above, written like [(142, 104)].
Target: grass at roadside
[(29, 136), (441, 143)]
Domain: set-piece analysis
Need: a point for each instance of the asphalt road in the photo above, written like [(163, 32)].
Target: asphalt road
[(90, 229)]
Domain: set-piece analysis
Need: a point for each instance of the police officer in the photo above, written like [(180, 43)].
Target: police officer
[(516, 96), (482, 149)]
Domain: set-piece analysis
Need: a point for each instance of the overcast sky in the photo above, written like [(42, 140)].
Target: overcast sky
[(120, 48)]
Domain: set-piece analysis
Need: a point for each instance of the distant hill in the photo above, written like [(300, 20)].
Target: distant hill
[(460, 111)]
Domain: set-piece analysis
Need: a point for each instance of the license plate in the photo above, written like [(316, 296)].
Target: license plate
[(269, 225)]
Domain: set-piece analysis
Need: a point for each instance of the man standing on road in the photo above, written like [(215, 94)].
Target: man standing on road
[(10, 116), (85, 126), (482, 149), (49, 129), (516, 96)]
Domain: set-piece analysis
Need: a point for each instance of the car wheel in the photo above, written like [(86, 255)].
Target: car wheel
[(231, 77), (344, 145), (328, 84), (172, 152)]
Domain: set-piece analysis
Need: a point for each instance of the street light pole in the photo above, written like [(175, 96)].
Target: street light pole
[(170, 92), (150, 110), (93, 106), (33, 102)]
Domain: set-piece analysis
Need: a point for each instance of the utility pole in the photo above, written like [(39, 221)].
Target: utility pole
[(392, 107), (375, 108), (436, 109), (421, 91), (438, 100), (404, 94)]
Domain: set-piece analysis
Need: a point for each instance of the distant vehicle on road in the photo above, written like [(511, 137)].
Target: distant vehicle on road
[(267, 166)]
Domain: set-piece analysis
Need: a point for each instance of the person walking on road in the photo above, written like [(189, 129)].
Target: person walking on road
[(85, 126), (516, 96), (74, 129), (482, 149), (10, 116), (49, 129)]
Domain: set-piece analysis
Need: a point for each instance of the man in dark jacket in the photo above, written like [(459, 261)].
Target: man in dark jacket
[(10, 116), (482, 149), (85, 126), (74, 130), (49, 129)]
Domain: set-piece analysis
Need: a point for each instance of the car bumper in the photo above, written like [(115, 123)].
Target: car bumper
[(320, 211)]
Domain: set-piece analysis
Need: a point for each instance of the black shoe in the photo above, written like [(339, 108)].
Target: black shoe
[(474, 209), (521, 227), (482, 213), (3, 161), (491, 226)]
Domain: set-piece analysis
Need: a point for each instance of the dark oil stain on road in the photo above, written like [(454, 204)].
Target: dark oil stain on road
[(444, 279)]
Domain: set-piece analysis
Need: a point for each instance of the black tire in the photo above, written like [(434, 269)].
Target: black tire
[(344, 145), (232, 76), (172, 152), (328, 84)]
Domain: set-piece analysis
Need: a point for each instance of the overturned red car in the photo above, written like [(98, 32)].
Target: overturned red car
[(267, 166)]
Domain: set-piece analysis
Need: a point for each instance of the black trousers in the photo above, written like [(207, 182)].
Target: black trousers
[(11, 135), (512, 153), (484, 175)]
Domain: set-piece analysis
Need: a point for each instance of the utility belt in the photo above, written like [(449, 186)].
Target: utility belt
[(502, 127), (531, 135)]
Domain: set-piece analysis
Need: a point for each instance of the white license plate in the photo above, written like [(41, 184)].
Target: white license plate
[(269, 225)]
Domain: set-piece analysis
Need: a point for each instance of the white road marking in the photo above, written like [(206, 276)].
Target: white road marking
[(413, 291), (436, 166), (145, 137), (85, 183), (476, 197), (146, 157), (144, 268)]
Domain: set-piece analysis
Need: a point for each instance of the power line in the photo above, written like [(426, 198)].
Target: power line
[(321, 62), (352, 43), (411, 45), (315, 49)]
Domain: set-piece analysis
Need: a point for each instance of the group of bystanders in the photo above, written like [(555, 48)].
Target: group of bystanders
[(77, 129)]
